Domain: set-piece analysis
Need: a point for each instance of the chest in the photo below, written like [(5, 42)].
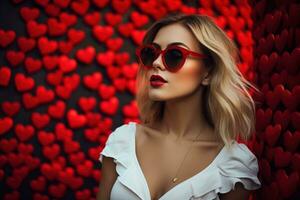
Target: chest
[(162, 160)]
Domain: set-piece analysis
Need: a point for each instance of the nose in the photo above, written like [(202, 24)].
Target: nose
[(157, 63)]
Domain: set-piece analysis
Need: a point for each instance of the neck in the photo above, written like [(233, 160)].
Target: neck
[(184, 118)]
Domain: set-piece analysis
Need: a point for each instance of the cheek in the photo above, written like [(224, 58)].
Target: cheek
[(188, 78)]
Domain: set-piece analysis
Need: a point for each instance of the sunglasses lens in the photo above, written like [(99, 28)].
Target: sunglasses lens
[(173, 58), (147, 56)]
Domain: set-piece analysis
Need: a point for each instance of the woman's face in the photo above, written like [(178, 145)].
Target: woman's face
[(185, 81)]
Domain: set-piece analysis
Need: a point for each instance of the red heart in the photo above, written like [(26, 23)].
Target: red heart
[(50, 171), (281, 78), (8, 145), (281, 158), (92, 81), (24, 133), (94, 153), (100, 3), (110, 106), (80, 7), (28, 13), (62, 3), (75, 120), (121, 6), (36, 30), (85, 169), (29, 101), (50, 62), (272, 134), (86, 55), (92, 134), (52, 10), (57, 110), (282, 118), (10, 108), (113, 72), (263, 118), (51, 151), (58, 190), (32, 65), (83, 194), (122, 58), (76, 36), (131, 86), (14, 57), (38, 184), (71, 146), (139, 20), (23, 83), (6, 38), (287, 183), (131, 110), (68, 19), (137, 36), (112, 19), (93, 119), (65, 47), (26, 44), (67, 64), (56, 28), (125, 29), (44, 95), (40, 120), (62, 133), (45, 138), (106, 91), (102, 33), (291, 141), (114, 44), (273, 98), (25, 148), (6, 124), (106, 58), (120, 84), (72, 80), (266, 64), (47, 46), (130, 71), (55, 78), (64, 91), (281, 40), (77, 158), (5, 74), (295, 118), (92, 19), (87, 103)]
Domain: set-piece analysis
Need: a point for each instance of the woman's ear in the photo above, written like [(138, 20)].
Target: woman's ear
[(206, 79)]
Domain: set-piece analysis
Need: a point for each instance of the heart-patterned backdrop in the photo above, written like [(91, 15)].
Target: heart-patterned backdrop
[(67, 79)]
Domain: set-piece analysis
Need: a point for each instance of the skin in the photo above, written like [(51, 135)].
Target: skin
[(164, 144)]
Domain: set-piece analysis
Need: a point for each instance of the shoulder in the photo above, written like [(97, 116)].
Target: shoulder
[(239, 166)]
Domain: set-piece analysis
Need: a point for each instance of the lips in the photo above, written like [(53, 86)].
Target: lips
[(157, 78)]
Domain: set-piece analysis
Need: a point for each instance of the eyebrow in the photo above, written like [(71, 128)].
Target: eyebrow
[(173, 43)]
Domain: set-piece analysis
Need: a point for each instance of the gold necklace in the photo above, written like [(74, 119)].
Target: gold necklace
[(176, 178)]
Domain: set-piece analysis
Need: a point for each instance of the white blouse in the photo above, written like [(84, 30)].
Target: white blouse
[(237, 164)]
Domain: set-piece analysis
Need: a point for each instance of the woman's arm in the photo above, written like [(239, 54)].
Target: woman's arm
[(240, 193), (108, 178)]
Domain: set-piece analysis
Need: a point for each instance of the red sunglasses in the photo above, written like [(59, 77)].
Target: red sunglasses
[(173, 57)]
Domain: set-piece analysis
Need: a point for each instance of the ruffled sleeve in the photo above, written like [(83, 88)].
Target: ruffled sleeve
[(117, 146), (235, 164), (240, 166)]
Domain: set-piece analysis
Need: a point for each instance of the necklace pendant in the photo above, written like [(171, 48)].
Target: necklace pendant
[(174, 179)]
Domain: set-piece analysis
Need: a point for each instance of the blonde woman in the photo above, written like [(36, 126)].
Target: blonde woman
[(193, 104)]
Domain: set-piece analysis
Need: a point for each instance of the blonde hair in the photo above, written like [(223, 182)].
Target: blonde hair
[(227, 105)]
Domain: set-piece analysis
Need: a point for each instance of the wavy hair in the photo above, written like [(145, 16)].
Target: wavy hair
[(228, 106)]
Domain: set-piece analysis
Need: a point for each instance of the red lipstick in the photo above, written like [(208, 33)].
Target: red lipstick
[(157, 81)]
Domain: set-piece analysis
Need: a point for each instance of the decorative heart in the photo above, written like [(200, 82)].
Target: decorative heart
[(6, 124), (6, 38), (5, 74)]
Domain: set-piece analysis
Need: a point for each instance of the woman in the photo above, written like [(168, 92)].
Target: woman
[(193, 104)]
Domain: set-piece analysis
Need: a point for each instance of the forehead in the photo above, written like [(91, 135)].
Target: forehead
[(176, 33)]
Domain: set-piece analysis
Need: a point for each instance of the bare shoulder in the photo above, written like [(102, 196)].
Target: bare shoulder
[(239, 193)]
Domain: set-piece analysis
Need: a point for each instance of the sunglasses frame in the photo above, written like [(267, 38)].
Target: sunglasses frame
[(185, 53)]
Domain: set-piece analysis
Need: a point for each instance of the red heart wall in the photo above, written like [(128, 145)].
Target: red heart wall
[(67, 79)]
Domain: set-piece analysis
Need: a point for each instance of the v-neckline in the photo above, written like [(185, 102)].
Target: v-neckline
[(218, 156)]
